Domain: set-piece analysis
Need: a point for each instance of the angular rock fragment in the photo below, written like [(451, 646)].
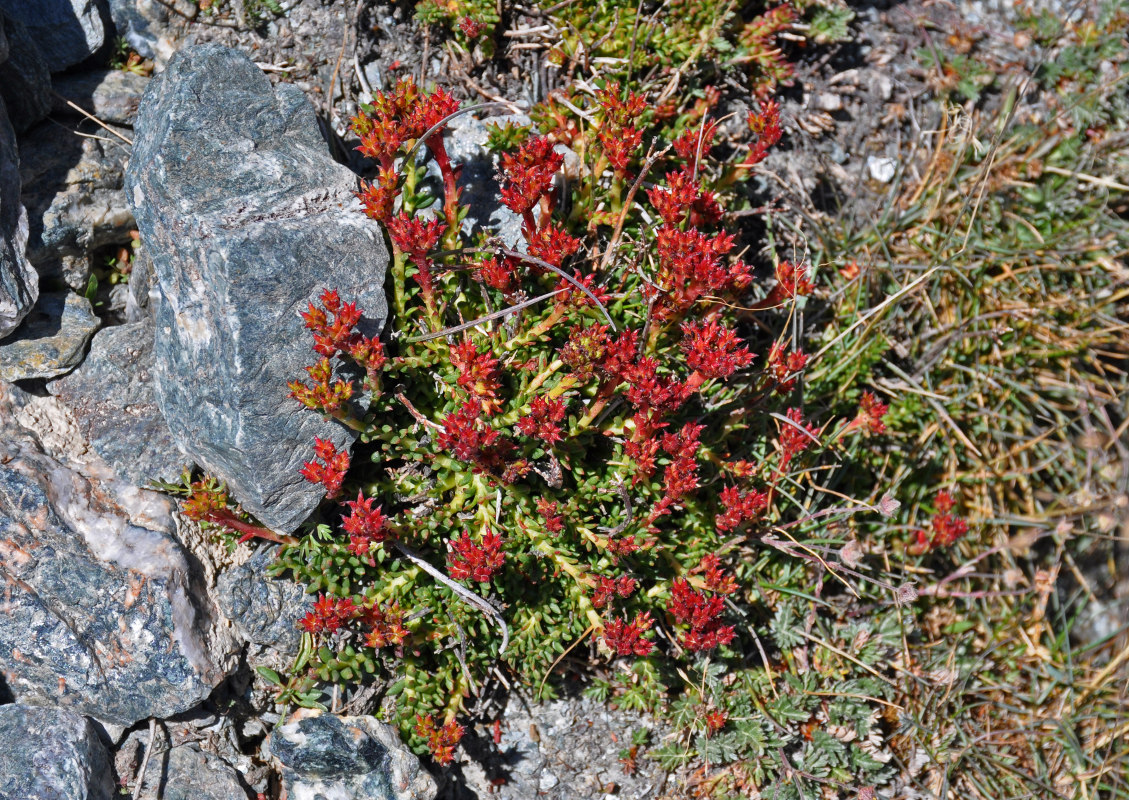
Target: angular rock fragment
[(51, 340), (111, 396), (326, 755), (246, 218), (19, 285), (188, 773), (72, 187), (51, 754), (99, 612), (112, 95), (66, 31), (265, 610)]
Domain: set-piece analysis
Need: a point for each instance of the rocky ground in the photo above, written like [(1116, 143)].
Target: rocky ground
[(128, 638)]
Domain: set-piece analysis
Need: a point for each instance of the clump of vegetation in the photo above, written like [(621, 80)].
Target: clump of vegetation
[(836, 525)]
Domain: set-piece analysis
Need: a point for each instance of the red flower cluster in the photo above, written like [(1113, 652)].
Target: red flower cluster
[(626, 638), (365, 525), (618, 136), (552, 244), (715, 721), (945, 528), (527, 175), (712, 351), (471, 27), (739, 507), (331, 472), (386, 626), (334, 328), (695, 142), (399, 116), (870, 414), (554, 523), (324, 394), (472, 561), (441, 740), (765, 125), (478, 374), (543, 420), (418, 238), (500, 275), (796, 438), (653, 393), (684, 195), (702, 614), (328, 615), (783, 367), (607, 588), (379, 196), (466, 436), (717, 579), (690, 266)]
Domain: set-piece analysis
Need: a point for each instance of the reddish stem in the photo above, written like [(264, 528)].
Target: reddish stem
[(249, 531)]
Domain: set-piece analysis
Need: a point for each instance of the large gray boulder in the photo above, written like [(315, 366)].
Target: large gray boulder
[(102, 614), (188, 773), (66, 31), (246, 218), (19, 285), (51, 754), (324, 755)]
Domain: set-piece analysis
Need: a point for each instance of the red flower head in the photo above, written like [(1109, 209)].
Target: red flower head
[(543, 420), (441, 740), (620, 144), (548, 511), (331, 471), (620, 112), (528, 173), (323, 394), (765, 126), (715, 721), (607, 588), (626, 638), (478, 373), (945, 528), (712, 350), (739, 507), (328, 615), (386, 626), (552, 244), (585, 348), (430, 111), (694, 144), (782, 368), (498, 275), (717, 579), (365, 525), (472, 28), (470, 439), (870, 414), (469, 560), (792, 279), (702, 614)]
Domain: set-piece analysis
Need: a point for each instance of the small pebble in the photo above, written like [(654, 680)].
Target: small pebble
[(881, 169)]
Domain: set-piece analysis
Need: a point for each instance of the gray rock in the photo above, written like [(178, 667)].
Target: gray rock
[(142, 24), (66, 31), (51, 754), (111, 95), (3, 42), (264, 610), (25, 81), (101, 613), (19, 285), (74, 198), (246, 218), (111, 396), (466, 145), (188, 773), (324, 755), (51, 340)]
